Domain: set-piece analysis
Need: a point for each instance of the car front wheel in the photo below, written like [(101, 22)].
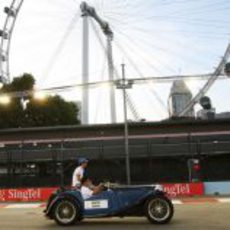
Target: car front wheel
[(159, 210), (66, 212)]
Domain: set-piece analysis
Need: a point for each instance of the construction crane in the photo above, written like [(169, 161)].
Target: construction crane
[(88, 11)]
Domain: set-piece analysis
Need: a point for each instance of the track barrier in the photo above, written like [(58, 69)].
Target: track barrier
[(42, 194)]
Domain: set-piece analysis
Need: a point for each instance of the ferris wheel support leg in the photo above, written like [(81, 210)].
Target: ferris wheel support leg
[(85, 72), (111, 79)]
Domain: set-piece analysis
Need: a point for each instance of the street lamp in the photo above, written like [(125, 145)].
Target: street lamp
[(125, 84), (5, 100), (1, 81), (40, 95)]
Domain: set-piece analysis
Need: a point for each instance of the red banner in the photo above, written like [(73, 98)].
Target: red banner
[(42, 194), (184, 189), (27, 194)]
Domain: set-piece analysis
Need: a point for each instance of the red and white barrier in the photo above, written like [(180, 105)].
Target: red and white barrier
[(27, 194), (184, 189), (42, 194)]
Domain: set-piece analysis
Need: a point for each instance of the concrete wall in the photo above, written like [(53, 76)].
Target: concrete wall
[(217, 188)]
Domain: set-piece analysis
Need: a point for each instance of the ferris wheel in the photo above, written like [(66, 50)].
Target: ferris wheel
[(129, 25), (11, 13)]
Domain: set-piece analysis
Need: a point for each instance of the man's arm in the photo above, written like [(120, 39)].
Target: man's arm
[(78, 176), (97, 189)]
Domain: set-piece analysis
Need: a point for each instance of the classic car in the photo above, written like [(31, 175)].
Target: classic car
[(67, 207)]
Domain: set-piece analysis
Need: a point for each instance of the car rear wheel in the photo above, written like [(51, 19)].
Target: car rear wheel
[(66, 212), (159, 210)]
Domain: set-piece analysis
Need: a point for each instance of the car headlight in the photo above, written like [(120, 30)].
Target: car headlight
[(159, 187)]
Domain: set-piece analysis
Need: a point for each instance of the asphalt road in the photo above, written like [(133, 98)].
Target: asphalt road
[(187, 217)]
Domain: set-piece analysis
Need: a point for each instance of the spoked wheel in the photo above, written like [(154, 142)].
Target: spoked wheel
[(66, 213), (159, 210)]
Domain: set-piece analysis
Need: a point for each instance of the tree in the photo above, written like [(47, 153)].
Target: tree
[(52, 111), (22, 83)]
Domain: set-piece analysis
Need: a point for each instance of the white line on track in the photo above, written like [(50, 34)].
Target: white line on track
[(29, 205), (177, 202), (224, 200)]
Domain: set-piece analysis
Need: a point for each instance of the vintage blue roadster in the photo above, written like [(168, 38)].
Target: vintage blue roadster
[(67, 207)]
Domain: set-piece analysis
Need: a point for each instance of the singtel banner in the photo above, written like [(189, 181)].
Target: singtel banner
[(184, 189), (27, 194), (42, 194)]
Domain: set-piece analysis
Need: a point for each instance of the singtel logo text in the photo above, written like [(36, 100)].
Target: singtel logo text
[(16, 194), (177, 189), (2, 195)]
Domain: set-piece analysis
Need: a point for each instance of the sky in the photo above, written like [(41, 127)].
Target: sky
[(152, 37)]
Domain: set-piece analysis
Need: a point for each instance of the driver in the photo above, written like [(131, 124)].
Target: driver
[(88, 189)]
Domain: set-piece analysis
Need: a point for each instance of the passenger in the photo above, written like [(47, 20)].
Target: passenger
[(79, 172), (88, 189)]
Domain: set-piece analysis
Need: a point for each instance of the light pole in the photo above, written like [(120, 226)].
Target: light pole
[(125, 84)]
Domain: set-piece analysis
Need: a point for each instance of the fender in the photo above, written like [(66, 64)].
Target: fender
[(76, 197)]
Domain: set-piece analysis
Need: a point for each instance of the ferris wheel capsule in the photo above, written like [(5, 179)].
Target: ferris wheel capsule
[(10, 11), (227, 69), (3, 57), (4, 34)]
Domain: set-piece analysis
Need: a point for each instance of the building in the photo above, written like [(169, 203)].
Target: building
[(179, 97), (223, 115)]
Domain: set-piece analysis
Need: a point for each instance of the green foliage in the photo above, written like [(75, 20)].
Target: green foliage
[(22, 83), (52, 111)]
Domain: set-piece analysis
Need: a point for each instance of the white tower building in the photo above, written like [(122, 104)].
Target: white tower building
[(179, 97)]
